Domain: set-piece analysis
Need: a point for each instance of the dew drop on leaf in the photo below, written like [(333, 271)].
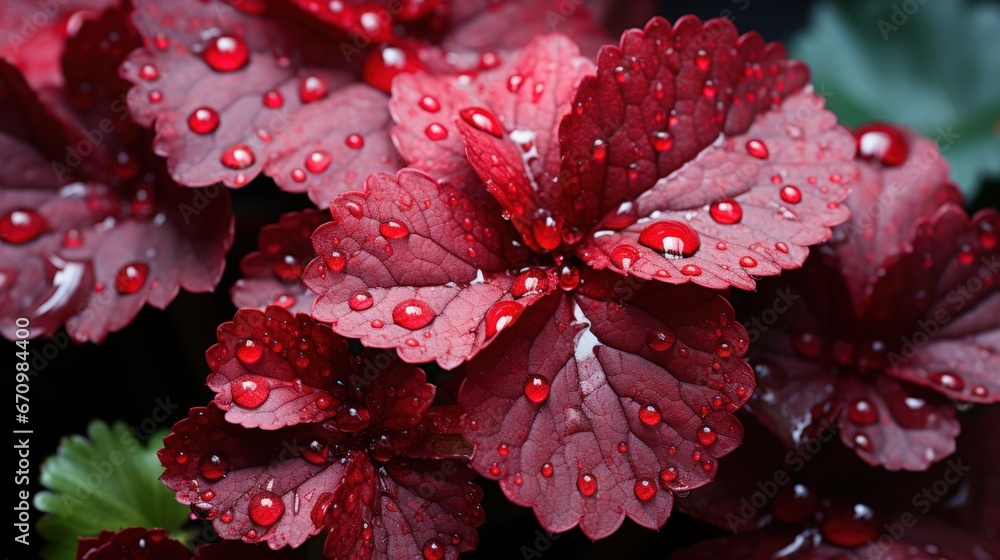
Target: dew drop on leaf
[(131, 278), (673, 239), (536, 388), (266, 509), (226, 53), (22, 226)]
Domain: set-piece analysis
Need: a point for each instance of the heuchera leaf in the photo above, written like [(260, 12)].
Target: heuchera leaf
[(36, 33), (233, 94), (272, 275), (371, 21), (136, 542), (358, 448), (820, 502), (86, 242), (904, 295), (591, 410)]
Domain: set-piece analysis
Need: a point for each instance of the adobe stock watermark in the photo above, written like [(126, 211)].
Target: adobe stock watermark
[(766, 490), (30, 25), (921, 502), (900, 15), (957, 299)]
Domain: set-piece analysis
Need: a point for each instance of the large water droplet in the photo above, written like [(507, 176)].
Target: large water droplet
[(412, 314), (273, 99), (214, 466), (249, 351), (659, 339), (757, 149), (536, 388), (393, 230), (203, 120), (883, 143), (355, 141), (650, 415), (313, 88), (250, 391), (662, 141), (529, 283), (948, 380), (645, 489), (673, 239), (791, 194), (436, 132), (726, 211), (318, 161), (624, 256), (586, 483), (483, 120), (361, 301), (353, 419), (434, 550), (545, 230), (599, 150), (862, 412), (226, 53), (22, 226), (266, 509), (502, 315), (707, 436), (547, 470), (131, 278), (239, 156)]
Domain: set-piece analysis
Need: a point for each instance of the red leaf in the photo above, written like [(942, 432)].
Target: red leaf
[(258, 114), (37, 35), (359, 472), (272, 275), (271, 369), (907, 290), (582, 418), (370, 21), (136, 542), (666, 133), (92, 253), (417, 266)]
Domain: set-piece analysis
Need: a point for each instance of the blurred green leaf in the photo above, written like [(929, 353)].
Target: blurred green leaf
[(107, 482), (933, 65)]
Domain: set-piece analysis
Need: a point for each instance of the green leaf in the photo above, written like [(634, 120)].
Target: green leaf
[(933, 65), (107, 482)]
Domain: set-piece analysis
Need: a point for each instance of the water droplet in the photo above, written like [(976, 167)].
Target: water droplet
[(203, 120), (624, 255), (529, 283), (336, 260), (313, 88), (545, 230), (72, 239), (273, 99), (707, 436), (569, 277), (361, 301), (214, 467), (667, 476), (625, 215), (781, 247), (883, 143), (645, 489), (131, 278), (502, 315), (791, 194), (691, 270), (674, 239), (748, 261), (412, 314), (662, 141), (702, 61), (250, 391), (536, 388), (22, 226), (318, 161), (852, 528), (757, 149), (586, 483), (226, 53), (353, 419), (155, 96), (482, 120), (161, 41), (149, 72), (436, 132), (355, 141), (239, 156), (547, 470), (266, 509), (660, 340), (434, 550), (393, 230), (599, 150), (862, 413), (948, 380), (650, 415), (726, 211), (430, 104), (316, 452)]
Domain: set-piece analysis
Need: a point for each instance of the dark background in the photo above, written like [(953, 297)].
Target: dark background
[(161, 354)]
